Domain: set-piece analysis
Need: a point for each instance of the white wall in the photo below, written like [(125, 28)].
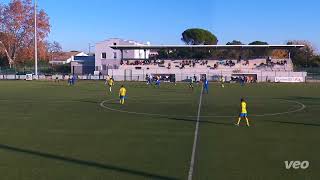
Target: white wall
[(183, 74), (110, 60)]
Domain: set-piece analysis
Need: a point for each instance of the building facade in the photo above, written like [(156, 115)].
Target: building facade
[(83, 65), (107, 58)]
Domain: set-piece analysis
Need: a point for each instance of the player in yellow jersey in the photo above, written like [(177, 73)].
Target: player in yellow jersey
[(122, 94), (110, 83), (244, 112), (222, 80)]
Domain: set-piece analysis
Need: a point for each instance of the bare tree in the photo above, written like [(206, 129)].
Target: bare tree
[(54, 48)]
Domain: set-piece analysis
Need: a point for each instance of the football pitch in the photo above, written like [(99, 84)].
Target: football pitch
[(51, 131)]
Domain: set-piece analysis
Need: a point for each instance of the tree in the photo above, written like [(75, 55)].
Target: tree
[(163, 54), (235, 42), (279, 54), (303, 56), (258, 52), (53, 48), (258, 43), (234, 53), (315, 62), (17, 29), (198, 37)]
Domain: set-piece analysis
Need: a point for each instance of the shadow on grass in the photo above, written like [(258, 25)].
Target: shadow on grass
[(85, 163), (231, 124), (86, 101), (201, 121), (294, 123), (303, 98)]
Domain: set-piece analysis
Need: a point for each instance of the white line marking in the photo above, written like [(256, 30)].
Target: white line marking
[(192, 162), (102, 104), (195, 142), (302, 107)]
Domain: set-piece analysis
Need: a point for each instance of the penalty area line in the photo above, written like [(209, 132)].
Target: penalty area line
[(195, 141)]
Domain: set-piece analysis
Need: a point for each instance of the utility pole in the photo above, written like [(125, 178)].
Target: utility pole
[(90, 46), (35, 40), (306, 52)]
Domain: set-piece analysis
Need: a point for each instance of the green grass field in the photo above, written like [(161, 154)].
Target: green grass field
[(51, 131)]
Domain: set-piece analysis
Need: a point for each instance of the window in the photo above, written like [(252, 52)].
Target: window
[(114, 44), (114, 55), (104, 55), (104, 67)]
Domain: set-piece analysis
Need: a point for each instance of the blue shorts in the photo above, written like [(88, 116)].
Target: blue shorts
[(122, 97), (243, 115)]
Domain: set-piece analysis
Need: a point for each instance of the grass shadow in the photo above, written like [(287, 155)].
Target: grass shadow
[(86, 101), (301, 98), (201, 121), (85, 163), (294, 123)]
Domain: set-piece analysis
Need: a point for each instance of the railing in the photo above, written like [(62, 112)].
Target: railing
[(49, 70), (130, 76), (313, 72)]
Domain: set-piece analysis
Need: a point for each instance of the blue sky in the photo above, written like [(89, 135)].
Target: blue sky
[(76, 23)]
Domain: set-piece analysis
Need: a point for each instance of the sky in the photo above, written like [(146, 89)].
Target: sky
[(76, 23)]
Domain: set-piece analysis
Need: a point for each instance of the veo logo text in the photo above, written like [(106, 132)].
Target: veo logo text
[(297, 164)]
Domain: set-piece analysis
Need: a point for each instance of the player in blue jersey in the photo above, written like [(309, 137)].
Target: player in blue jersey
[(206, 85), (158, 81), (191, 86)]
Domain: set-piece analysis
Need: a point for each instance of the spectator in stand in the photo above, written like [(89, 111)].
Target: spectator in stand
[(239, 59)]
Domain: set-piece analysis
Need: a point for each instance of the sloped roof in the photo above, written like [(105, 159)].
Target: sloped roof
[(63, 56)]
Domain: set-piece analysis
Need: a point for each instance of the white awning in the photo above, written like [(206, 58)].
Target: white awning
[(149, 47)]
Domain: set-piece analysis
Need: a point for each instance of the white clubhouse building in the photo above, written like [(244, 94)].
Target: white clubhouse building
[(108, 58)]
